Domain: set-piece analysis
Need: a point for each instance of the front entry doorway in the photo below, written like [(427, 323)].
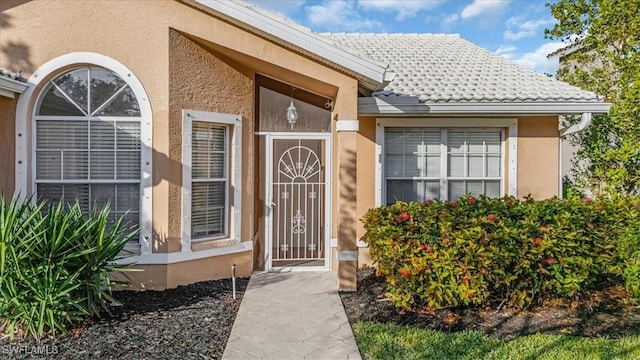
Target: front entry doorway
[(298, 178)]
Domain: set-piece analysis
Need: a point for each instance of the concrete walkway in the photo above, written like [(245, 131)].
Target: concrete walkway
[(291, 316)]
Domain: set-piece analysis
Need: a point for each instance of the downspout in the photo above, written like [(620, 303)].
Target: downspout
[(575, 128)]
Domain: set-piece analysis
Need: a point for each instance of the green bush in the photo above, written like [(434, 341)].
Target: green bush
[(54, 265), (629, 247), (475, 251)]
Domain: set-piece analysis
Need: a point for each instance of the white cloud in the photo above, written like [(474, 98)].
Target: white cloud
[(448, 21), (285, 8), (402, 8), (505, 50), (480, 7), (535, 60), (339, 15), (490, 10), (518, 28)]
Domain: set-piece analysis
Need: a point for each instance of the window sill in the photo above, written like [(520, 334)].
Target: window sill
[(212, 244), (132, 248), (176, 257)]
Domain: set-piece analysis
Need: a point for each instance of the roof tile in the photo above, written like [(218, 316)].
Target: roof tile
[(440, 68), (11, 75)]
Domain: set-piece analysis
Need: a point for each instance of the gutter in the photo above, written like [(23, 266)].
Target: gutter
[(573, 129), (10, 87), (411, 105)]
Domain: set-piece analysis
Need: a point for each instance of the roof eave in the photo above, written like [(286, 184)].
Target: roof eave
[(371, 73), (8, 87), (369, 106)]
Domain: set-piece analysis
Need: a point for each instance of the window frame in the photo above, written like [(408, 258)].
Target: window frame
[(211, 180), (89, 118), (508, 174), (233, 160), (133, 245), (25, 131), (448, 178)]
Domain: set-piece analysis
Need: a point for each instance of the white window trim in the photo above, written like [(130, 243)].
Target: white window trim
[(445, 123), (234, 136), (25, 124)]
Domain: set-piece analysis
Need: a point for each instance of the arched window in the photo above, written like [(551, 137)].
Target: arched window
[(87, 142)]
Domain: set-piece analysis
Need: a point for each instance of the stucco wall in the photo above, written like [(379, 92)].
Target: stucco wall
[(43, 30), (160, 277), (538, 156), (366, 168), (7, 146), (199, 80), (139, 39), (210, 68)]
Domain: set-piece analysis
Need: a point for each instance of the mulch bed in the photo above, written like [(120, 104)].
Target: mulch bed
[(189, 322), (604, 313)]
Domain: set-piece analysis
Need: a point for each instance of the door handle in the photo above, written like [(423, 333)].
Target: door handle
[(272, 205)]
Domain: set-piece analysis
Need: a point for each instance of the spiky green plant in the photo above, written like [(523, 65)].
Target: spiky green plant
[(54, 265)]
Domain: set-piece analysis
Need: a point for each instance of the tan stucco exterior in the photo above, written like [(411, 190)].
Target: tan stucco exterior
[(221, 87), (165, 276), (538, 160), (7, 146), (187, 58), (366, 168), (211, 66)]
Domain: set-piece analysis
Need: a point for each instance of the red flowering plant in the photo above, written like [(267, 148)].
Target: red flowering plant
[(403, 217), (491, 218), (465, 252)]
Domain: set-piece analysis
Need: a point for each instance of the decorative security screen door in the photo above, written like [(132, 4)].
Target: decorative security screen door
[(298, 191)]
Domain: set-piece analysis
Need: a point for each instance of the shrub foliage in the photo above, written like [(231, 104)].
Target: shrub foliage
[(475, 251), (54, 265)]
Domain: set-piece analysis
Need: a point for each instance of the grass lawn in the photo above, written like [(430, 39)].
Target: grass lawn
[(386, 341)]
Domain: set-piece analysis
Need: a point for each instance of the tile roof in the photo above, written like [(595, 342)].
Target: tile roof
[(11, 75), (11, 83), (569, 49), (438, 68), (287, 33)]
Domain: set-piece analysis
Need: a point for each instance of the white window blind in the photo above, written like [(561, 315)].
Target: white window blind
[(414, 160), (87, 143), (474, 159), (210, 180), (412, 163)]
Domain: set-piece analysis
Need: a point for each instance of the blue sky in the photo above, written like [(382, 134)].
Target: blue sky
[(510, 28)]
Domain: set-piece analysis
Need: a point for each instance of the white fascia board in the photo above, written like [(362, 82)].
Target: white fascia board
[(370, 70), (14, 86), (7, 93), (410, 105)]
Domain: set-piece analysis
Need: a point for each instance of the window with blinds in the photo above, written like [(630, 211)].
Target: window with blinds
[(87, 143), (474, 162), (209, 180), (412, 163), (430, 163)]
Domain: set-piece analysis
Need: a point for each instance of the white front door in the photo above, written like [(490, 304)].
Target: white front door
[(298, 192)]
